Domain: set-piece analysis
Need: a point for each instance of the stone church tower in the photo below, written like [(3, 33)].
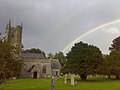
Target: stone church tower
[(14, 34)]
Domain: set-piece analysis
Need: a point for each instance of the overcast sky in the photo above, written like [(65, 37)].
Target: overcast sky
[(52, 24)]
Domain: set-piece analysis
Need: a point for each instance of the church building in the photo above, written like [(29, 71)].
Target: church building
[(35, 65)]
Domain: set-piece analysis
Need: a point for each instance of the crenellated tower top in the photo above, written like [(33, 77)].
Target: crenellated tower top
[(14, 34)]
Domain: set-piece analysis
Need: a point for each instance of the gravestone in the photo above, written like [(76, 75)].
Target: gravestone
[(52, 84), (65, 79), (72, 79)]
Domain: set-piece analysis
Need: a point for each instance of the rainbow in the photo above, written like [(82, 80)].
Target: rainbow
[(89, 32), (66, 19)]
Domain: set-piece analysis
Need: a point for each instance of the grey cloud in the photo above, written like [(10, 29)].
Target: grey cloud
[(52, 24)]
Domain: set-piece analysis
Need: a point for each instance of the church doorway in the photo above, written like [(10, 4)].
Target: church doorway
[(35, 74)]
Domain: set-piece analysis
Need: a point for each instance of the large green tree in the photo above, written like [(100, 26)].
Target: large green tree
[(83, 59), (10, 65), (114, 57)]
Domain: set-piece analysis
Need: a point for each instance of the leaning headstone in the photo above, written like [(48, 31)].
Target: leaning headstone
[(52, 84), (72, 80), (65, 79)]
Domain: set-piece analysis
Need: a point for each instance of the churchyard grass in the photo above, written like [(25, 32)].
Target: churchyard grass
[(26, 84), (44, 84)]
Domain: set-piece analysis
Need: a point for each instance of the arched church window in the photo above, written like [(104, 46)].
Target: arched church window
[(44, 69)]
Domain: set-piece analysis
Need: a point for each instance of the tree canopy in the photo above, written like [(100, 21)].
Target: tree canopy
[(50, 56), (60, 56), (10, 65), (114, 58), (114, 62), (115, 45), (62, 59), (83, 59)]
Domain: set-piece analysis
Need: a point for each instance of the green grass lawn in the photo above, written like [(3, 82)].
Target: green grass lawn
[(44, 84)]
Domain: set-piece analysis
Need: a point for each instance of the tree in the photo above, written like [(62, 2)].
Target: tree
[(114, 62), (83, 59), (115, 45), (62, 59), (114, 57), (10, 65), (34, 50), (60, 56), (105, 68), (50, 56)]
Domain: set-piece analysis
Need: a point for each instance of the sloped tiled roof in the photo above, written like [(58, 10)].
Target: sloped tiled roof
[(32, 56), (27, 66), (31, 68), (55, 64)]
